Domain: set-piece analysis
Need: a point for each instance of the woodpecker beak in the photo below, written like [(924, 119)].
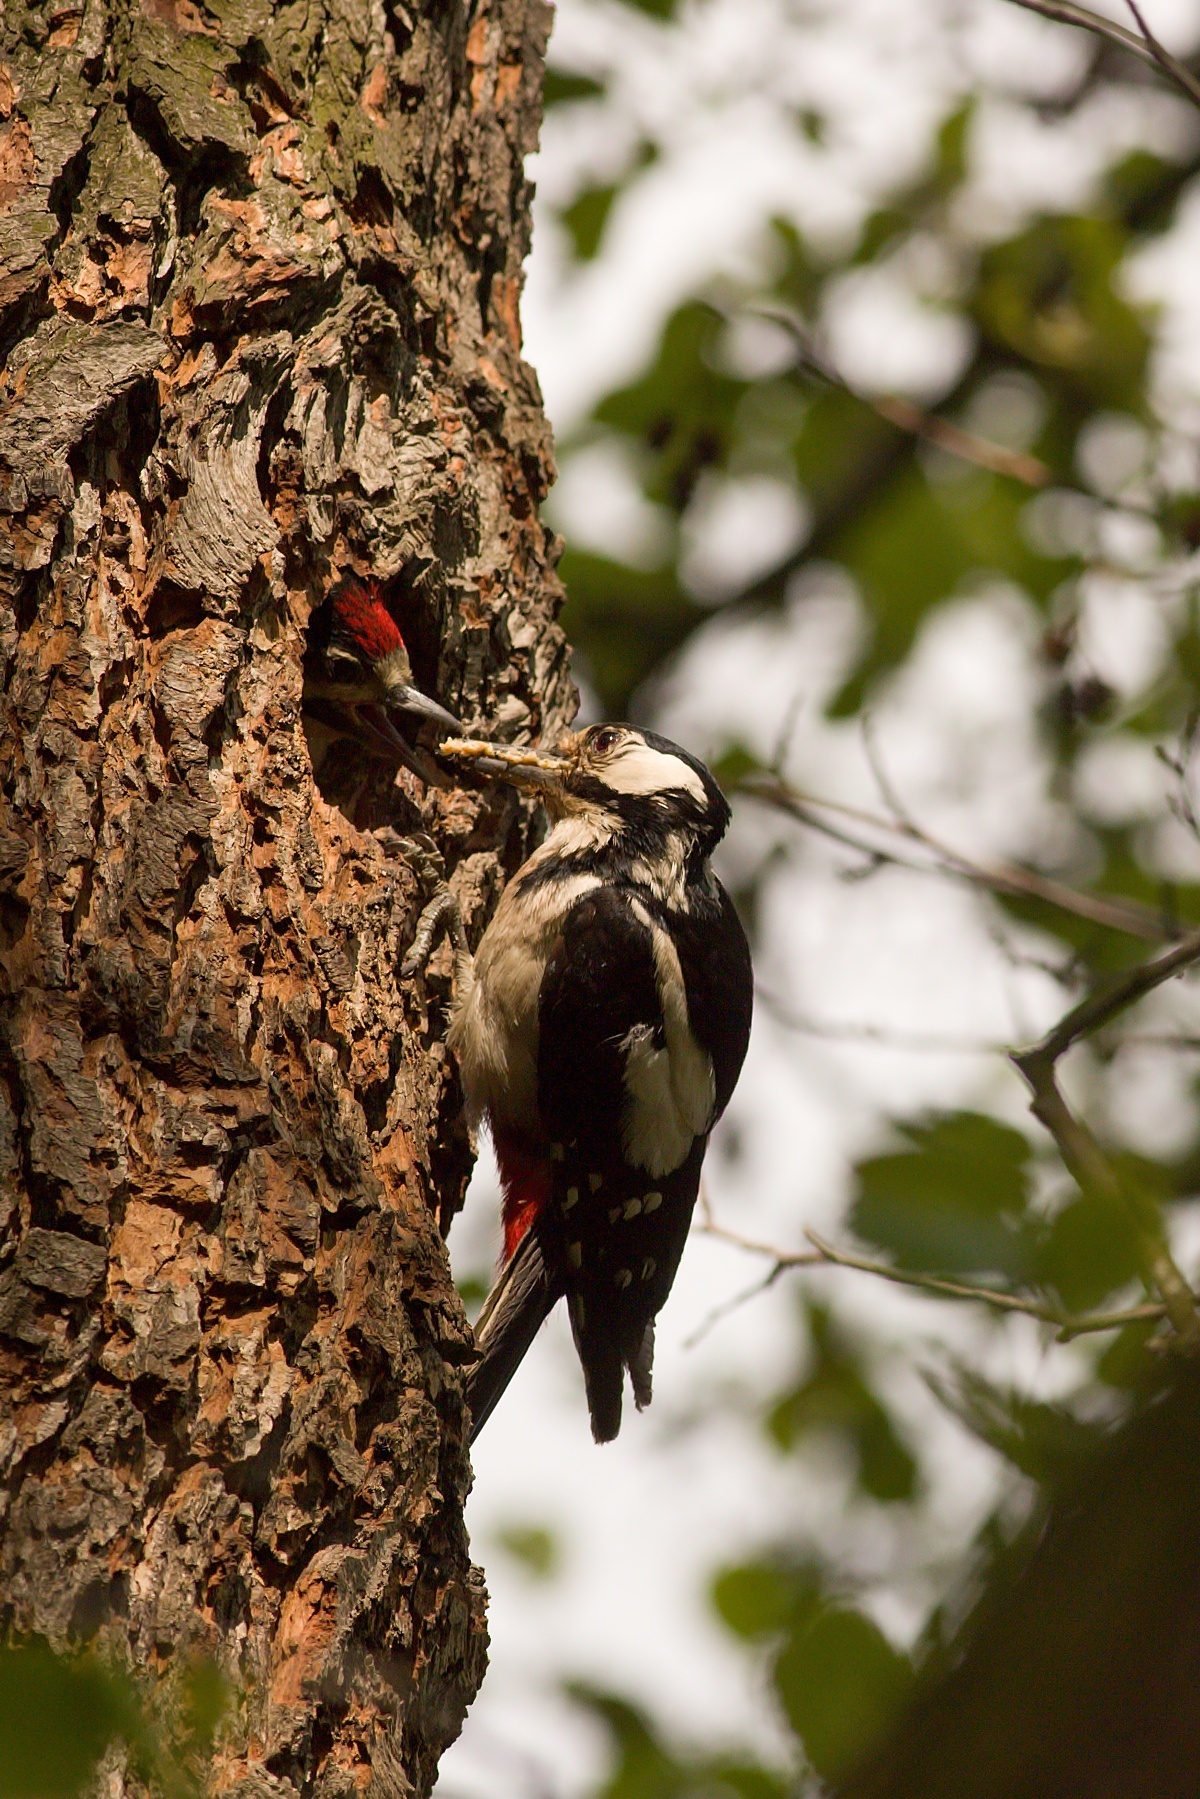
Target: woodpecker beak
[(506, 762), (412, 700)]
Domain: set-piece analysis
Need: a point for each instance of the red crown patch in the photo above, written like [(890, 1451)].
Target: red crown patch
[(359, 611)]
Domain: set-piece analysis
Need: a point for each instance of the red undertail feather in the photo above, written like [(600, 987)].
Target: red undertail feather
[(526, 1182), (361, 613)]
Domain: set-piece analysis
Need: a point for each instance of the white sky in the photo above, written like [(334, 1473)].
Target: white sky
[(692, 1483)]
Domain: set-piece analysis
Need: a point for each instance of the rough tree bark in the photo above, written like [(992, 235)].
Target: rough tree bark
[(259, 303)]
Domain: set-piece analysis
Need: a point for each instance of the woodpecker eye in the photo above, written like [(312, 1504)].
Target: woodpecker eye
[(605, 739)]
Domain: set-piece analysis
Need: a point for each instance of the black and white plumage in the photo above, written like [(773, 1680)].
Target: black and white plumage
[(601, 1032)]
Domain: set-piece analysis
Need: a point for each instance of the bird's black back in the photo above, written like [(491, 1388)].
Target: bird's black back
[(614, 1232)]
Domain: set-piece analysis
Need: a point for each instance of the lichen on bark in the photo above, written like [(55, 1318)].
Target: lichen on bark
[(259, 303)]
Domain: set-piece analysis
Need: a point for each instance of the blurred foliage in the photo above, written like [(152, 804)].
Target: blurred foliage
[(534, 1546), (60, 1714), (998, 479), (587, 215), (645, 1768), (564, 85), (835, 1397), (953, 1202)]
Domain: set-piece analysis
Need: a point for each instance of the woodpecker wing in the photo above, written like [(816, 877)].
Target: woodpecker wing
[(627, 1095), (515, 1311)]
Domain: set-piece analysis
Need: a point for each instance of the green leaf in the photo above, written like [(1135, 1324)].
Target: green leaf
[(835, 1396), (586, 217), (1044, 1441), (657, 9), (760, 1598), (1087, 1251), (562, 86), (919, 544), (954, 1202), (841, 1685), (950, 168), (1126, 1363), (205, 1700), (734, 764), (534, 1546), (57, 1717), (1049, 296), (645, 1769), (681, 409), (624, 621)]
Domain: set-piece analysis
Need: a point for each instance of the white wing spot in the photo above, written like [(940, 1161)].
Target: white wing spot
[(623, 1277), (575, 1254), (595, 1182), (648, 1267), (613, 1214), (669, 1082), (652, 1202), (572, 1198), (632, 1207)]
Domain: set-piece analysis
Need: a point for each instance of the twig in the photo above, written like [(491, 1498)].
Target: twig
[(906, 417), (1166, 62), (1017, 464), (1127, 916), (1078, 1146), (1067, 1324), (1115, 996), (1146, 45), (1065, 12), (884, 1035), (733, 1305)]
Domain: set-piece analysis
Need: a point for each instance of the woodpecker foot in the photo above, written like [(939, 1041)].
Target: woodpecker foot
[(420, 852), (443, 908)]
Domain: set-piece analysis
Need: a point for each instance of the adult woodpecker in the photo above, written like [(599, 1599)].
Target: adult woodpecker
[(600, 1030), (358, 679)]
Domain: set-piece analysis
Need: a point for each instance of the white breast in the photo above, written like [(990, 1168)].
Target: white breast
[(494, 1032)]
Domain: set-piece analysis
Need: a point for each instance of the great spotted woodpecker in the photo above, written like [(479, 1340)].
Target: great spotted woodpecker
[(600, 1030), (357, 679)]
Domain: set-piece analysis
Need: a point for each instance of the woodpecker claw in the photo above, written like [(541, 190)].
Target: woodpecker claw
[(443, 907)]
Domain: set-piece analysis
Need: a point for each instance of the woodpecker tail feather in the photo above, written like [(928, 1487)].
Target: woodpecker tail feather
[(641, 1369), (516, 1308), (603, 1378), (605, 1357)]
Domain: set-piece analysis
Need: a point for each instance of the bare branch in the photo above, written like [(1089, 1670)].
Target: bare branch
[(1065, 12), (1067, 1324), (1116, 996), (1170, 65), (1077, 1144), (1127, 916), (906, 417), (1017, 464), (1141, 43), (883, 1035)]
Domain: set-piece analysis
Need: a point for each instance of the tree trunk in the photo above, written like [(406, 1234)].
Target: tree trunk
[(259, 303)]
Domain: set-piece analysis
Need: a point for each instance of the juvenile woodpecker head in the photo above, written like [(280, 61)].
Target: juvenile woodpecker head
[(358, 678), (621, 787)]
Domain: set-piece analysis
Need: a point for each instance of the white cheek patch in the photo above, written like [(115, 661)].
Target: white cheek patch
[(672, 1091), (638, 769)]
